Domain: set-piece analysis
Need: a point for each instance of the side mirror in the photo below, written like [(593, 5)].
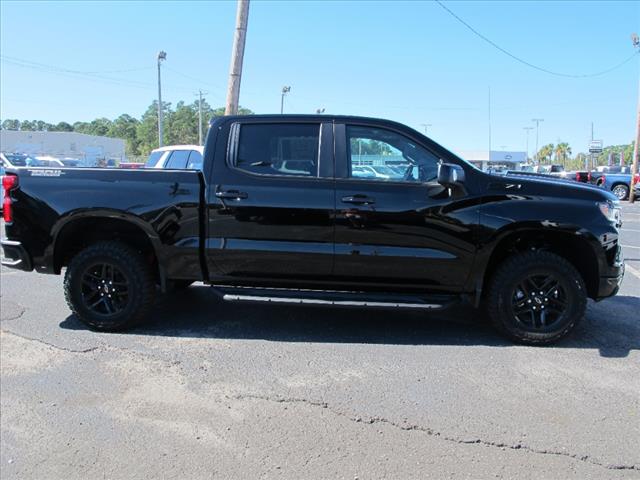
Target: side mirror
[(450, 175)]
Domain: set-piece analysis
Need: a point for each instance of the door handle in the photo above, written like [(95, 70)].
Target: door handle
[(359, 200), (232, 195)]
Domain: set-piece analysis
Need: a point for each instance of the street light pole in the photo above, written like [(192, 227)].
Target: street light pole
[(426, 126), (200, 93), (537, 120), (285, 90), (527, 129), (161, 56), (634, 164)]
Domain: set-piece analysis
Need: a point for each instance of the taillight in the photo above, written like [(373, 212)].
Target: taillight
[(9, 182), (636, 178), (589, 177), (577, 176)]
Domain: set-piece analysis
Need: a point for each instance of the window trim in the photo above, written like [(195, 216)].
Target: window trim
[(343, 162), (233, 148)]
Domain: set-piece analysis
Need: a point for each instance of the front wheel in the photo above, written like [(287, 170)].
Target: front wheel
[(621, 191), (536, 298), (109, 286)]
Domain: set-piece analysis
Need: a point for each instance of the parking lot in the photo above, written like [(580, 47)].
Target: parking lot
[(215, 390)]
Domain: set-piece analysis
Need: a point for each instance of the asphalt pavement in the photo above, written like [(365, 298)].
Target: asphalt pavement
[(208, 389)]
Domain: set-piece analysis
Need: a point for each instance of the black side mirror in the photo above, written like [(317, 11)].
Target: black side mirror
[(450, 175)]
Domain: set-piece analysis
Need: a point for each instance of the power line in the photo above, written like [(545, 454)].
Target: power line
[(529, 64), (68, 70), (200, 81), (83, 74)]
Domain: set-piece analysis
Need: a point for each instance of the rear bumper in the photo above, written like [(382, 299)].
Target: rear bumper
[(15, 256)]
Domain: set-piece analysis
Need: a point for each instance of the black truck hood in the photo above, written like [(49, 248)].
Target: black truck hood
[(547, 186)]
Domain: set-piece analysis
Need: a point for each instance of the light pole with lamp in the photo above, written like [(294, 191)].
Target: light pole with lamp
[(285, 90), (161, 56)]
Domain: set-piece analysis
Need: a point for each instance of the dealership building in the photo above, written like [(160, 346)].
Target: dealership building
[(485, 159), (87, 148)]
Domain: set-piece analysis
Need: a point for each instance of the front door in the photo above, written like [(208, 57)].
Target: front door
[(395, 225), (271, 204)]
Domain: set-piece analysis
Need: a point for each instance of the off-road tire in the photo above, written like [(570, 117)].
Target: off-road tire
[(141, 285), (508, 275)]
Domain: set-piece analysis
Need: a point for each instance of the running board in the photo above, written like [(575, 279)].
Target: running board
[(334, 298)]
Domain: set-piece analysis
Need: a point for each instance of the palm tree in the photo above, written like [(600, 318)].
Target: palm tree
[(545, 152), (562, 151)]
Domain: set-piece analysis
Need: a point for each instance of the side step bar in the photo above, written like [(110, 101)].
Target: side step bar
[(334, 298)]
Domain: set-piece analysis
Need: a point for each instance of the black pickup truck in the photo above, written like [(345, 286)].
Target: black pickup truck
[(320, 210)]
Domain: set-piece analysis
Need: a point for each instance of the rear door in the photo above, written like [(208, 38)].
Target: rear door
[(395, 225), (271, 203)]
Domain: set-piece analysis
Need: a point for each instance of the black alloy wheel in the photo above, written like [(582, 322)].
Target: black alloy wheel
[(105, 289), (539, 302)]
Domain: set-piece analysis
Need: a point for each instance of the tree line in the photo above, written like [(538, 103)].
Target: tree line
[(561, 152), (140, 135), (181, 127)]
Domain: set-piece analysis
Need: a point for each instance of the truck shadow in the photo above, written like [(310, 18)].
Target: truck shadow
[(610, 326)]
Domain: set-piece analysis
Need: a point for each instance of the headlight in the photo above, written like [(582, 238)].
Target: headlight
[(611, 211)]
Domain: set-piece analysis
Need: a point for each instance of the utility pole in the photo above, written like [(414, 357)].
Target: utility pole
[(634, 164), (527, 129), (537, 120), (161, 56), (285, 90), (237, 54), (489, 111), (200, 93), (426, 126)]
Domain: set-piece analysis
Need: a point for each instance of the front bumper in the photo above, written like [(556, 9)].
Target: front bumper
[(15, 256), (610, 284)]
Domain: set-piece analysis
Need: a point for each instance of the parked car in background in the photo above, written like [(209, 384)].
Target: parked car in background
[(71, 162), (619, 183), (176, 157), (46, 161), (15, 160), (131, 165), (1, 189), (581, 176)]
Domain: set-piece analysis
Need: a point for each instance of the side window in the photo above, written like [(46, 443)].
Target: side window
[(378, 154), (279, 149), (152, 161), (178, 159), (195, 160)]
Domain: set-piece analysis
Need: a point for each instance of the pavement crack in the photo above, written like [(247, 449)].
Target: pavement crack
[(51, 345), (434, 433)]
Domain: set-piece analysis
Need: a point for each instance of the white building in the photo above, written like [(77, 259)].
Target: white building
[(485, 159), (88, 148)]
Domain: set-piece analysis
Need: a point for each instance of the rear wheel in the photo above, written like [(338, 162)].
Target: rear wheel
[(621, 191), (536, 298), (109, 286)]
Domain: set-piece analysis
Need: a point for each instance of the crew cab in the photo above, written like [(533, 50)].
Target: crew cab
[(281, 212)]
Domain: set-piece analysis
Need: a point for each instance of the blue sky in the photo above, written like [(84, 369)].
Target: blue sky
[(408, 61)]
